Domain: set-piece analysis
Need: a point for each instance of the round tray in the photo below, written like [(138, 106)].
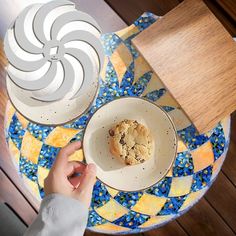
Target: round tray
[(125, 73)]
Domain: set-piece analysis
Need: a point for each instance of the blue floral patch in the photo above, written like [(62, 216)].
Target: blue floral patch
[(131, 48), (218, 141), (155, 95), (40, 132), (80, 123), (145, 21), (127, 80), (109, 89), (95, 219), (183, 165), (131, 220), (28, 168), (111, 76), (201, 179), (47, 156), (41, 192), (128, 199), (106, 94), (172, 205), (162, 188), (167, 108), (191, 137), (138, 88), (110, 42), (92, 110), (16, 131), (100, 195)]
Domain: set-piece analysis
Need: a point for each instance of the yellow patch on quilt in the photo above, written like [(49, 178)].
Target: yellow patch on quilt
[(112, 210), (180, 120), (77, 156), (121, 59), (202, 156), (127, 32), (14, 151), (170, 172), (181, 146), (42, 175), (110, 227), (192, 198), (141, 67), (112, 191), (60, 136), (30, 147), (226, 126), (154, 220), (149, 204), (217, 166), (22, 120), (10, 111), (180, 186)]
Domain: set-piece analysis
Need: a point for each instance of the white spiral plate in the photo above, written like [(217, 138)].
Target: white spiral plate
[(56, 113), (55, 56)]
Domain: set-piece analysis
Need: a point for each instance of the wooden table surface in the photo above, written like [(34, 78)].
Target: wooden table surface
[(215, 214)]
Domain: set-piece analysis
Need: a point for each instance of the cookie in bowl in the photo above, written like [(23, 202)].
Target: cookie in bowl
[(130, 142)]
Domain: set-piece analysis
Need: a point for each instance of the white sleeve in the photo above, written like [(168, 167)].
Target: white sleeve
[(59, 215)]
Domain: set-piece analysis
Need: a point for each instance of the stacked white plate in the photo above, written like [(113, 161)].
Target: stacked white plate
[(55, 56)]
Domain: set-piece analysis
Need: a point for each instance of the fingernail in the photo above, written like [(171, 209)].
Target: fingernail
[(92, 168)]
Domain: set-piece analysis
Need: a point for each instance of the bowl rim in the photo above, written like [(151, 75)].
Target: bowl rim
[(175, 143)]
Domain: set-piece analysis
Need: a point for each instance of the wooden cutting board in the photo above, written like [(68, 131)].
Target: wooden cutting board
[(195, 57)]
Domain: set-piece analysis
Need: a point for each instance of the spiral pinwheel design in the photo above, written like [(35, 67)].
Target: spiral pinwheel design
[(54, 51)]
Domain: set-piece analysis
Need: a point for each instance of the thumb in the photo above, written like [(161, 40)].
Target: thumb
[(87, 181)]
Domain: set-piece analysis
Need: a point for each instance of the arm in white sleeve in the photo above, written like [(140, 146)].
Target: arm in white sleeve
[(59, 215)]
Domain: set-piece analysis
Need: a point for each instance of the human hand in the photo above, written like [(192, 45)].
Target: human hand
[(61, 178)]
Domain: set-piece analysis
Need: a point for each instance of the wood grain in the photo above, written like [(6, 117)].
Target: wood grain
[(229, 167), (229, 6), (90, 233), (10, 195), (195, 57), (5, 158), (203, 220), (223, 203), (223, 16), (173, 229), (130, 10)]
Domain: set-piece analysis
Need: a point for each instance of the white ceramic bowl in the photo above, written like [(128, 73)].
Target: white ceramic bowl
[(110, 170)]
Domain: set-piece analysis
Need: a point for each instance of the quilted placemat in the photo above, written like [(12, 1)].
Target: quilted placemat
[(34, 147)]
